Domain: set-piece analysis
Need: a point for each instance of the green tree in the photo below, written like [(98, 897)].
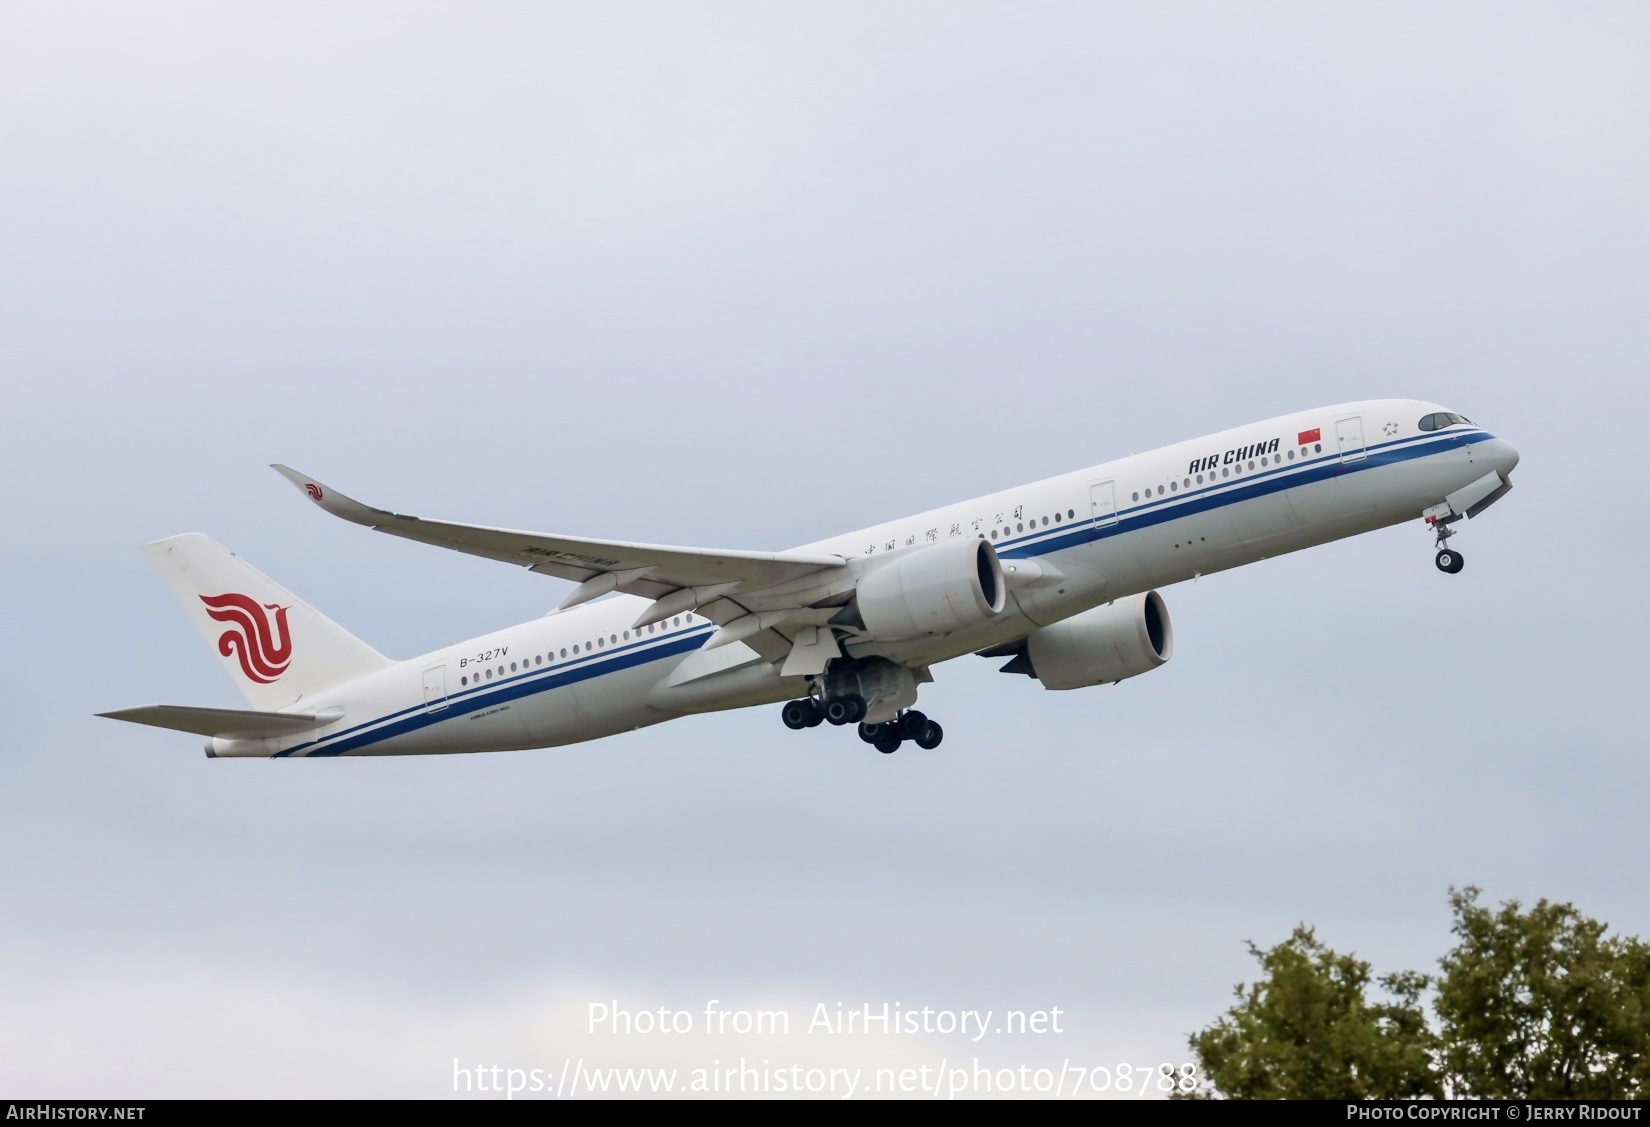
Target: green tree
[(1308, 1030), (1542, 1005)]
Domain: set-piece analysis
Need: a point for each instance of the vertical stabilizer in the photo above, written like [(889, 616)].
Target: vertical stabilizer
[(277, 648)]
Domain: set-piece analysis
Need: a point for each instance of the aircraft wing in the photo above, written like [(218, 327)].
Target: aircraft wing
[(680, 579)]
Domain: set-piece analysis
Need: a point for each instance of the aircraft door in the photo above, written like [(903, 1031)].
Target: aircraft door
[(435, 688), (1349, 434), (1103, 505)]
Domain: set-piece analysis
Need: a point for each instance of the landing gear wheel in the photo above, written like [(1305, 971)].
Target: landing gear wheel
[(1449, 560), (912, 724), (886, 742), (870, 732), (931, 736), (845, 709), (799, 714)]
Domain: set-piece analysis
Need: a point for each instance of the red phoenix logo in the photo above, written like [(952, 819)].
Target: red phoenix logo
[(252, 638), (313, 490)]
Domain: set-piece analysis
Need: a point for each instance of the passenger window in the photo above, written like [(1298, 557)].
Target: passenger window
[(1263, 461), (1137, 495), (1173, 487), (564, 651), (575, 649), (601, 641), (1071, 512), (512, 667), (1019, 528), (678, 622), (614, 638), (1291, 455), (489, 675), (1317, 448), (463, 680), (1057, 515)]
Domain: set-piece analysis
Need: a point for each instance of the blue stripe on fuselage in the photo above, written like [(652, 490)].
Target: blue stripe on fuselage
[(511, 688)]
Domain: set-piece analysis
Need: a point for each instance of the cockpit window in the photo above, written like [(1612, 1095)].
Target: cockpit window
[(1441, 419)]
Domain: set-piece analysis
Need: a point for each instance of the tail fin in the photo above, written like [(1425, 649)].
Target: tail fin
[(276, 647)]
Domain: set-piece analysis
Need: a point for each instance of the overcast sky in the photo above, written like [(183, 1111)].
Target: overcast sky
[(747, 276)]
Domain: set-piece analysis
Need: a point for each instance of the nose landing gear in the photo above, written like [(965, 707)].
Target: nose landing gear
[(1438, 518)]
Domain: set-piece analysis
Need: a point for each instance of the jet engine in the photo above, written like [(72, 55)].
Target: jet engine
[(933, 590), (1121, 639)]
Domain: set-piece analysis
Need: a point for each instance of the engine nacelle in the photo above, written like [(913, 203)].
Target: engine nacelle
[(1122, 639), (934, 590)]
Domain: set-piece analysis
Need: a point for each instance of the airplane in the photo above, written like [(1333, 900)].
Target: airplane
[(1060, 577)]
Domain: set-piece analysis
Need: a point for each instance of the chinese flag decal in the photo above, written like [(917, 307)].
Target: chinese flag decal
[(1306, 436)]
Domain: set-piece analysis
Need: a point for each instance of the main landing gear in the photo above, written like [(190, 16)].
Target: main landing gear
[(909, 725), (853, 688), (799, 714), (886, 738), (808, 712)]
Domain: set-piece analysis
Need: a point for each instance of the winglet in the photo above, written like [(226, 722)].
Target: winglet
[(333, 501)]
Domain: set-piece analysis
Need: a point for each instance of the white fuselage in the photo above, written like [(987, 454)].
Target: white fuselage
[(1115, 529)]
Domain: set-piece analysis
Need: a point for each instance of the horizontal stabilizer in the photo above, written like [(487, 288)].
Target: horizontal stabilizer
[(225, 723)]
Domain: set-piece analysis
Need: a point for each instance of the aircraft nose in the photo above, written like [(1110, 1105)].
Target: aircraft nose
[(1506, 456)]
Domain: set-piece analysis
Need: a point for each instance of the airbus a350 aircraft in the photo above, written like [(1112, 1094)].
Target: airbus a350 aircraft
[(1058, 576)]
